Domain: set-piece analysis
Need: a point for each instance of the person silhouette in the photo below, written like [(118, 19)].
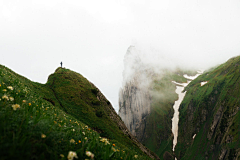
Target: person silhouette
[(61, 64)]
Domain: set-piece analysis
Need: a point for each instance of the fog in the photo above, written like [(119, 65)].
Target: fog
[(92, 37)]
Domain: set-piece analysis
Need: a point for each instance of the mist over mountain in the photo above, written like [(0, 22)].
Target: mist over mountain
[(148, 94), (210, 115), (145, 57), (167, 39), (91, 37)]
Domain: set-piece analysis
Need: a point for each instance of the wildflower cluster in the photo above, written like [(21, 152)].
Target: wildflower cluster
[(8, 97), (104, 140), (15, 106), (29, 120)]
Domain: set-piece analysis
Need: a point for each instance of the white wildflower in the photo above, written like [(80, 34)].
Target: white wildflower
[(5, 97), (11, 98), (72, 141), (15, 106), (10, 87), (72, 155), (105, 140), (90, 154)]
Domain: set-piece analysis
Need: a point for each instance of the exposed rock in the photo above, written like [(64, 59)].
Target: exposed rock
[(223, 154), (229, 139), (215, 122), (117, 119), (146, 103), (211, 112), (134, 105), (204, 115), (134, 98)]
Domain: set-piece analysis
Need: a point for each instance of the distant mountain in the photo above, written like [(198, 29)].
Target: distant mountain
[(209, 125), (146, 102), (68, 113)]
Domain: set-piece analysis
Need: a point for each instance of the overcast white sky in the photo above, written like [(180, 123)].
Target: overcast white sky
[(91, 37)]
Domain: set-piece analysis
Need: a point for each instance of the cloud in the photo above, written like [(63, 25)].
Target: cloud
[(85, 35)]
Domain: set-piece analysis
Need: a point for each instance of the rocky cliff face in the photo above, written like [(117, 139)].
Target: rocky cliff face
[(134, 97), (209, 115), (146, 102), (138, 103)]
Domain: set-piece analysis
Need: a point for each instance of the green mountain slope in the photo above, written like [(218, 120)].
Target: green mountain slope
[(210, 114), (158, 135), (68, 113), (154, 126)]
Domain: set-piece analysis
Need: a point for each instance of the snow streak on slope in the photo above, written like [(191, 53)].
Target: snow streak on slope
[(179, 89), (176, 105)]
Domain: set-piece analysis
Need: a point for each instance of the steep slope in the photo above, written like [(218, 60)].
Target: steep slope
[(72, 90), (68, 113), (154, 127), (156, 132), (209, 115), (146, 102)]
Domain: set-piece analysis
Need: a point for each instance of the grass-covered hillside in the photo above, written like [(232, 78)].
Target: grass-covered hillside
[(209, 124), (146, 106), (158, 135), (66, 118)]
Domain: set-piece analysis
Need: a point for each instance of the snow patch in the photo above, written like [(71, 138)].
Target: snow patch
[(181, 94), (203, 83), (181, 84), (176, 105), (194, 136), (191, 77)]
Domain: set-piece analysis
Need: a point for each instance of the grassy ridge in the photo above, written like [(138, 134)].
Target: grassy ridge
[(46, 121), (218, 101)]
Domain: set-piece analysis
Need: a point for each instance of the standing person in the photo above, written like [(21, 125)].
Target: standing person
[(61, 64)]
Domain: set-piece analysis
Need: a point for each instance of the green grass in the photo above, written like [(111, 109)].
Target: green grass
[(222, 89), (57, 117), (158, 132)]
